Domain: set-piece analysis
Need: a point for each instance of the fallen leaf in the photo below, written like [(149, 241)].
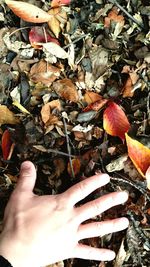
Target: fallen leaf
[(53, 51), (38, 35), (44, 72), (53, 23), (20, 107), (47, 117), (127, 89), (148, 179), (28, 12), (76, 164), (117, 164), (139, 154), (113, 16), (96, 106), (6, 144), (7, 116), (91, 97), (56, 3), (115, 122), (66, 89)]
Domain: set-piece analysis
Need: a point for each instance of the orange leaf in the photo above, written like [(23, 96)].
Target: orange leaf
[(56, 3), (66, 89), (115, 121), (28, 12), (139, 154), (53, 23), (96, 106), (113, 16), (76, 164), (127, 89), (91, 97), (44, 72), (6, 145), (7, 116)]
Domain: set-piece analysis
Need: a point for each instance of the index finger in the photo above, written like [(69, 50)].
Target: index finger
[(84, 188)]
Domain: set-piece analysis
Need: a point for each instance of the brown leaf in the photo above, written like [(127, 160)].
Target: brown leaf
[(28, 12), (66, 89), (7, 116), (44, 72), (56, 3), (47, 117), (96, 106), (91, 97)]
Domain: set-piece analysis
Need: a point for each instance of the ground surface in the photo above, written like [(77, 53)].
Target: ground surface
[(54, 100)]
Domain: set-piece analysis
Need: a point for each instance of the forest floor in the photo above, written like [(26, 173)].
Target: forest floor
[(75, 99)]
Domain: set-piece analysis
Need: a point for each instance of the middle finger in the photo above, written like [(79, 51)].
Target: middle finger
[(95, 207)]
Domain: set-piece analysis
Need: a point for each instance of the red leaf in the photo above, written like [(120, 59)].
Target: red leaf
[(56, 3), (115, 121), (38, 35), (6, 144)]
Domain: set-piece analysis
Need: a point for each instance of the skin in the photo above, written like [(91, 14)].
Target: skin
[(41, 230)]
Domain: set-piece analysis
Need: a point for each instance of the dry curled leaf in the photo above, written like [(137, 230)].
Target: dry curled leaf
[(115, 122), (66, 89), (113, 16), (7, 116), (44, 72), (28, 12), (139, 154), (47, 117)]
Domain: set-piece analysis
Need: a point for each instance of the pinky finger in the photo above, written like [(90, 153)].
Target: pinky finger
[(91, 253)]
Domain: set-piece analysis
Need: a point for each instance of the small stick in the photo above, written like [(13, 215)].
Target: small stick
[(68, 148), (76, 40), (127, 13)]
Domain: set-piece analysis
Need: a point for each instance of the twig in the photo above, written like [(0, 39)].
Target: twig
[(68, 148), (76, 40), (50, 150), (127, 13), (126, 181)]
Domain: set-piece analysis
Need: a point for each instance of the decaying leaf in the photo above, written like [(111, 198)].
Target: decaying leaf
[(76, 164), (139, 154), (43, 72), (7, 116), (6, 144), (117, 164), (53, 51), (115, 122), (47, 117), (66, 89), (28, 12), (56, 3), (113, 16), (53, 23), (40, 35), (20, 107)]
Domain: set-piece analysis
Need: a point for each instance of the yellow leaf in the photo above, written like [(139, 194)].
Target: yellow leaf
[(19, 106), (53, 23), (139, 154), (7, 116)]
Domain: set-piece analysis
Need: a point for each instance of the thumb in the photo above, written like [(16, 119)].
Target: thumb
[(27, 177), (148, 177)]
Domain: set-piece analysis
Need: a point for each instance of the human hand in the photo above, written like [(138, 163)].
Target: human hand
[(41, 230)]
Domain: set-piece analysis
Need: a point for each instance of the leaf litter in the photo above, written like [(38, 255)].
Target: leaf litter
[(75, 99)]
